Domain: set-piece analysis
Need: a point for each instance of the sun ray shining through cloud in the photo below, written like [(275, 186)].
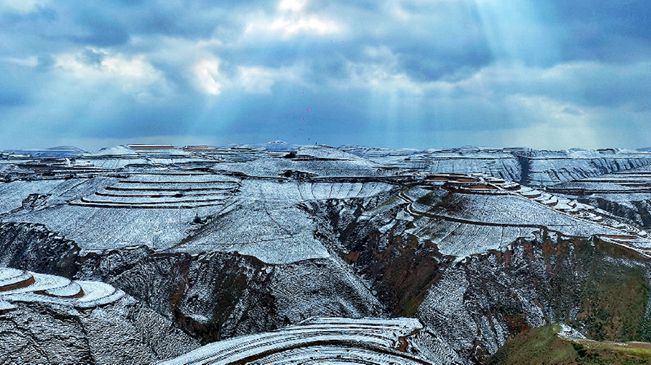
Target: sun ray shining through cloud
[(396, 73), (207, 74), (516, 33), (291, 20), (520, 44)]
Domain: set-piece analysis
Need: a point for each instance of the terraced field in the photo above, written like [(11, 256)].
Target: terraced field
[(317, 341), (163, 191), (268, 252), (480, 212), (626, 194), (19, 286)]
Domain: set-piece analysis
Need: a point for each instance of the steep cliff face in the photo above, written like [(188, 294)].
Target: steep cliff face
[(212, 295), (526, 166), (217, 295), (34, 247), (397, 266), (602, 290), (626, 194), (206, 295)]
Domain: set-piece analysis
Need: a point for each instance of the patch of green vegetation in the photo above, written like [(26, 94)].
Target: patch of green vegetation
[(606, 283), (536, 346), (613, 304), (542, 346)]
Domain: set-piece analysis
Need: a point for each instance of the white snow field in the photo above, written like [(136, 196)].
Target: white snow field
[(10, 278), (253, 199), (317, 341), (467, 221)]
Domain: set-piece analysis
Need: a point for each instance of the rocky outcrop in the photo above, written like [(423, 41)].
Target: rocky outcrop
[(211, 296)]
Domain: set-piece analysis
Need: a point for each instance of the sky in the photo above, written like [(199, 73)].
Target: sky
[(387, 73)]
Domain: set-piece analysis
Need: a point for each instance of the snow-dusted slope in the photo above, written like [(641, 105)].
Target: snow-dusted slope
[(244, 240), (320, 340)]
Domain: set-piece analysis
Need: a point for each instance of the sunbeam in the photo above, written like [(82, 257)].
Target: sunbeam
[(403, 72), (516, 31)]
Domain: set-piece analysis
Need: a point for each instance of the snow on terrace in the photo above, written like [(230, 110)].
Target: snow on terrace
[(504, 210), (502, 165), (268, 224), (163, 191), (113, 218), (327, 152), (23, 286), (140, 155), (113, 151), (258, 217), (273, 167), (465, 222), (14, 278), (15, 196), (41, 282), (115, 163), (611, 187), (152, 209), (494, 163), (295, 191), (113, 158), (315, 160), (321, 340), (94, 228), (13, 193), (172, 176), (97, 294), (275, 234), (553, 168)]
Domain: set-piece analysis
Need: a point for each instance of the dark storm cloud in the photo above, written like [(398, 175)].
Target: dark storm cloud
[(470, 71)]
